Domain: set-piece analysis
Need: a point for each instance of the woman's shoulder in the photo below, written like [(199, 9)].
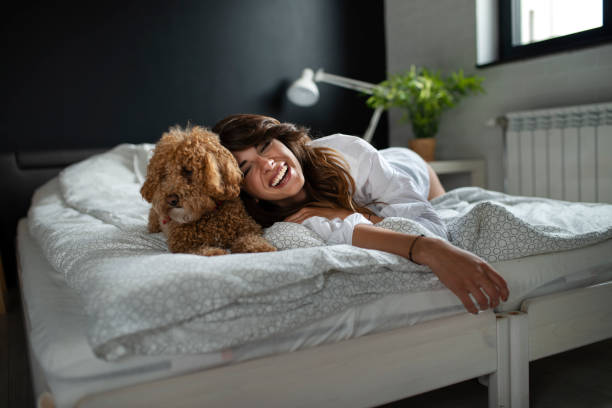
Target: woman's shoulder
[(343, 143)]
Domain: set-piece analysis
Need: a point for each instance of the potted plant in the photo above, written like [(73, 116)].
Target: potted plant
[(424, 95)]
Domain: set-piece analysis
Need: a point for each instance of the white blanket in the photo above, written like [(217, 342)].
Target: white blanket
[(91, 222)]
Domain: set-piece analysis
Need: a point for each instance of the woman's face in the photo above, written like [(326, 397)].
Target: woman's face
[(272, 173)]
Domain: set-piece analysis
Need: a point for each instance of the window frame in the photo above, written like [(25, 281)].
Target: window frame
[(509, 52)]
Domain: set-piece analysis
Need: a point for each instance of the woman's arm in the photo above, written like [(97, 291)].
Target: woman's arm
[(462, 272)]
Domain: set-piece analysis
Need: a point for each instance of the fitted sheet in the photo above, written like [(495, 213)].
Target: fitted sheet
[(65, 365)]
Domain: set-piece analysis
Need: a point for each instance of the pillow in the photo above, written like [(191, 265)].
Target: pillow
[(289, 235)]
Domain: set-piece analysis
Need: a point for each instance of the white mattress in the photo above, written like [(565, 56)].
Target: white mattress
[(64, 364)]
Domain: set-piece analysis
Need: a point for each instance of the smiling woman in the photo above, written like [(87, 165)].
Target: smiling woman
[(263, 147), (272, 172), (339, 186)]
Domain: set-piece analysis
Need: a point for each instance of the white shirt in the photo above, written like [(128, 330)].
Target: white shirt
[(396, 178)]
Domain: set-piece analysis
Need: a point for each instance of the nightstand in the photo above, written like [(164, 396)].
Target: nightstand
[(475, 168)]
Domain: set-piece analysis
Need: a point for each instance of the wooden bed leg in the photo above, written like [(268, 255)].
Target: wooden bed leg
[(499, 381), (518, 325)]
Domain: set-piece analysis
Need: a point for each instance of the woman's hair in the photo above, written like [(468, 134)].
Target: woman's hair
[(327, 180)]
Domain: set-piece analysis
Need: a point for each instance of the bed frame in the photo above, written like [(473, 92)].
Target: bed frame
[(395, 364), (385, 367)]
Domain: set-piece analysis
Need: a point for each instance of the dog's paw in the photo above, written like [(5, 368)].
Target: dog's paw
[(252, 243), (262, 247), (209, 251)]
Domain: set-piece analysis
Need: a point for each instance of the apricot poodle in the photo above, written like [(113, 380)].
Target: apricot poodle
[(193, 184)]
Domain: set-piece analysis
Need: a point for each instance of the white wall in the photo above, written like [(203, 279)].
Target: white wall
[(441, 34)]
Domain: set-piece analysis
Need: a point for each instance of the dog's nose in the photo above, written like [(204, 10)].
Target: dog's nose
[(172, 200)]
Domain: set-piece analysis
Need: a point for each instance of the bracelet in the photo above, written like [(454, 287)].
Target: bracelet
[(411, 247)]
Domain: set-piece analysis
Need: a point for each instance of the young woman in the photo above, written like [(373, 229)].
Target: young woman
[(340, 186)]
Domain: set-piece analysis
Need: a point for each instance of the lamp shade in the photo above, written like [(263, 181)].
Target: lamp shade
[(304, 91)]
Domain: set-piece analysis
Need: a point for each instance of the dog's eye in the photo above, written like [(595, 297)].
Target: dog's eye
[(186, 173)]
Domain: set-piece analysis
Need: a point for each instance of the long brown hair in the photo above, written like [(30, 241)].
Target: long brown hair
[(328, 182)]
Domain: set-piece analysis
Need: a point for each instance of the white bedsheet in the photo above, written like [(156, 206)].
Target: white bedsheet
[(140, 300)]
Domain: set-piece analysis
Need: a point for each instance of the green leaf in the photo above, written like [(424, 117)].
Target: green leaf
[(424, 95)]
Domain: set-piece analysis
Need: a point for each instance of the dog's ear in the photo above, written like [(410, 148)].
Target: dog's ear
[(153, 178), (152, 181), (156, 167), (222, 176), (232, 176), (211, 173)]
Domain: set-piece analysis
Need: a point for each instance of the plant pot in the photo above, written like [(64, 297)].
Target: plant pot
[(424, 147)]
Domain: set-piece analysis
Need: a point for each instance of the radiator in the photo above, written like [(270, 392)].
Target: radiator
[(561, 153)]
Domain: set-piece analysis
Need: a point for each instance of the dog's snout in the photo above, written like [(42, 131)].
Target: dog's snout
[(172, 200)]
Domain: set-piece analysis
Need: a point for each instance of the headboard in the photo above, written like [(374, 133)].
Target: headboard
[(22, 173)]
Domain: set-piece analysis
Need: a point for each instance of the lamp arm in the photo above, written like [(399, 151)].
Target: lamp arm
[(361, 86), (355, 85), (369, 133)]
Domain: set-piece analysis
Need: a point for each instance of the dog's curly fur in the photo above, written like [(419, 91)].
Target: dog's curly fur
[(193, 184)]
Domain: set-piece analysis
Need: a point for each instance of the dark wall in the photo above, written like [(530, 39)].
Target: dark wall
[(95, 74)]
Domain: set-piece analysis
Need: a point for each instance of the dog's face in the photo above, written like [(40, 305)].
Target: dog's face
[(189, 173)]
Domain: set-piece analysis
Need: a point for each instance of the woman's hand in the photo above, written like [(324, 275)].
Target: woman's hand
[(463, 273), (325, 212)]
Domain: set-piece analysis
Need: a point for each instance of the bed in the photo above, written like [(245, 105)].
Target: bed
[(397, 326)]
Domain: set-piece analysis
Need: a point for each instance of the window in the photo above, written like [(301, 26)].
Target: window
[(529, 28), (540, 20)]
